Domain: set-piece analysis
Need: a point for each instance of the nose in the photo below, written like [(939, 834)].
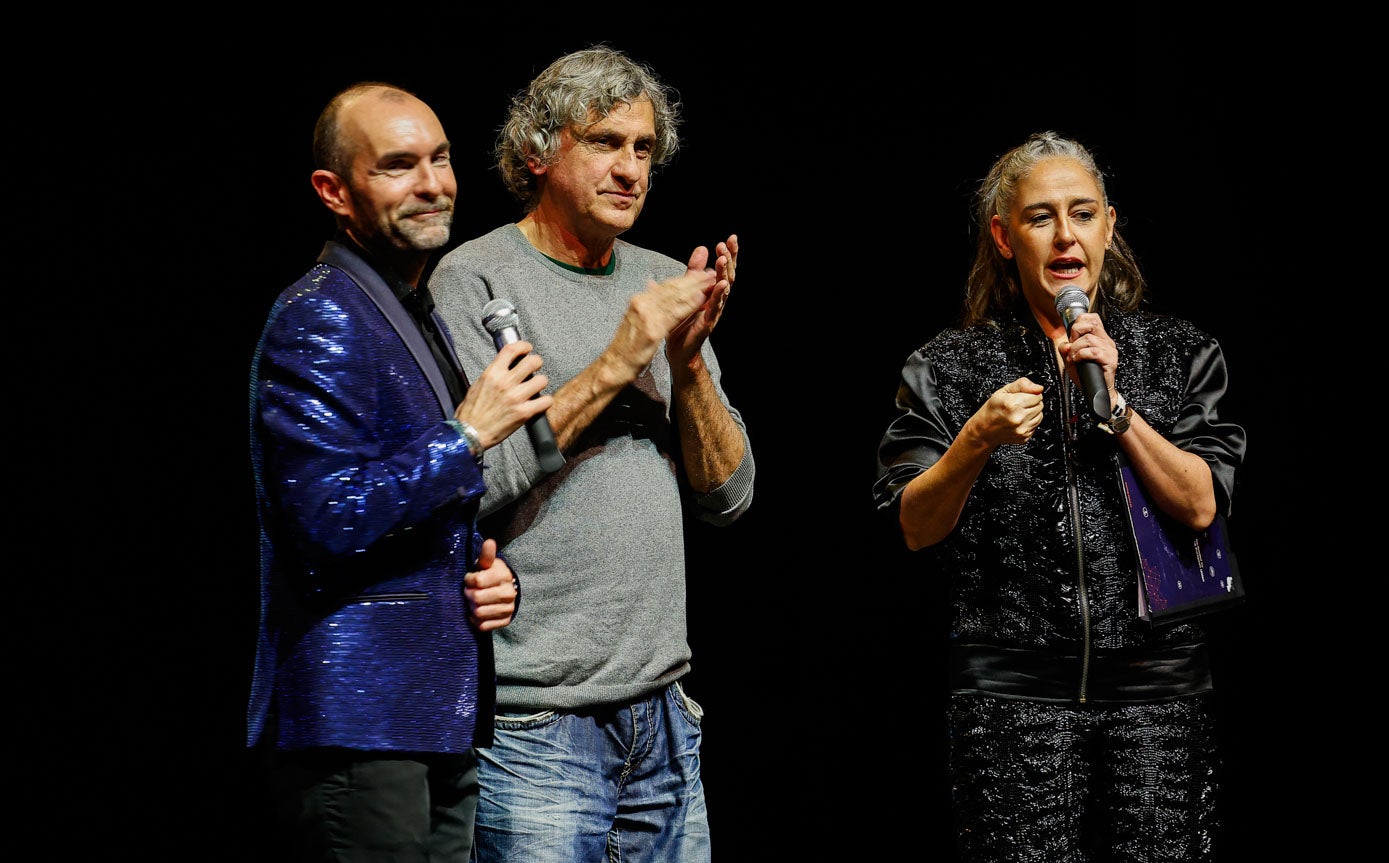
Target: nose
[(628, 166), (429, 180), (1065, 233)]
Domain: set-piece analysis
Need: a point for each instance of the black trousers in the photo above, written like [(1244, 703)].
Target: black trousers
[(1037, 782), (345, 806)]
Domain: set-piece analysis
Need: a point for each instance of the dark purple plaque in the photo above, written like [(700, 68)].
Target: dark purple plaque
[(1184, 572)]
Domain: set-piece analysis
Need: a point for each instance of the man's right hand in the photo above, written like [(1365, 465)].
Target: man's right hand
[(504, 396), (655, 313)]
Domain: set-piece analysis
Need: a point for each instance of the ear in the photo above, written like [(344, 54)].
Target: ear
[(332, 191), (1109, 233), (1000, 235), (533, 165)]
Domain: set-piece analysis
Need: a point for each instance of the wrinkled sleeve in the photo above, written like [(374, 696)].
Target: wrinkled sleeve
[(461, 293), (917, 437), (318, 405), (1200, 429), (723, 505)]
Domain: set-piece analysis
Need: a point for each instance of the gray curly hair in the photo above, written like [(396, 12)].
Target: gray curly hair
[(577, 90)]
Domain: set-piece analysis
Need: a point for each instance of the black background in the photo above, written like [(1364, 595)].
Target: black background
[(165, 201)]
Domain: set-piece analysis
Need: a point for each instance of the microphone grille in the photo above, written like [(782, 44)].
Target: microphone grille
[(1072, 298), (497, 315)]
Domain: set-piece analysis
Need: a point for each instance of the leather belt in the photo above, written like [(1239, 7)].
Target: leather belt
[(1115, 676)]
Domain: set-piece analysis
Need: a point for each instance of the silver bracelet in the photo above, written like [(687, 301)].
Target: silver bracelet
[(470, 435)]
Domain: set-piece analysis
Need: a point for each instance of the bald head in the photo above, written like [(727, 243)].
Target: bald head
[(338, 130), (384, 170)]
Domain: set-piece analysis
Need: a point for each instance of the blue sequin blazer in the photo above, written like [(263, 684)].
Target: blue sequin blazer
[(367, 499)]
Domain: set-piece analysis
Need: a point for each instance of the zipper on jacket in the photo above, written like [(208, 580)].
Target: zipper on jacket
[(1073, 492)]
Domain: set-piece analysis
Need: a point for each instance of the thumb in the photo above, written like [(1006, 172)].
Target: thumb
[(1023, 385), (488, 555), (699, 258)]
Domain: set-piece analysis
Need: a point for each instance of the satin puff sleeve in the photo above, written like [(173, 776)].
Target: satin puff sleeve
[(916, 438), (1199, 427)]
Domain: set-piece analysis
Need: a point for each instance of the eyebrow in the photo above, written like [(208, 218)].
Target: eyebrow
[(597, 130), (392, 155), (1046, 205)]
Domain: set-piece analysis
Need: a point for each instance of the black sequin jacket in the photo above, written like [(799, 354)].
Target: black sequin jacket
[(1041, 565)]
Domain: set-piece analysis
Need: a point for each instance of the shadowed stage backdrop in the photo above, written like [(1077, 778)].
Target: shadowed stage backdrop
[(845, 159)]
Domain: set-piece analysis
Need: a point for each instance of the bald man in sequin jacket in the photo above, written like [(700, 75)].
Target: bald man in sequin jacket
[(373, 679)]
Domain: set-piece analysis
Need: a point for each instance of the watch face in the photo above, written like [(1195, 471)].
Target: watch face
[(1118, 417)]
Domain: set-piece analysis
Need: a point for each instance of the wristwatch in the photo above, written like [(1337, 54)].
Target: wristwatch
[(1118, 416)]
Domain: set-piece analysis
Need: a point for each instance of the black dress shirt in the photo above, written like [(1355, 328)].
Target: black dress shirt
[(419, 302)]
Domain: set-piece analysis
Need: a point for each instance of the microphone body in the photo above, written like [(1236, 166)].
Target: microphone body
[(1071, 303), (499, 318)]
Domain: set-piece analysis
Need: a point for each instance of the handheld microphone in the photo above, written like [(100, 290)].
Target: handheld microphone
[(1071, 303), (499, 318)]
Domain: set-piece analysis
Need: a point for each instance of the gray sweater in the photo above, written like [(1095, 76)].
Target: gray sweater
[(599, 545)]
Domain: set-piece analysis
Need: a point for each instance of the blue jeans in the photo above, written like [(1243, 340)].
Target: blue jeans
[(617, 782)]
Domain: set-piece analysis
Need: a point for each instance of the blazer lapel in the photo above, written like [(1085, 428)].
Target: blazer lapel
[(340, 256)]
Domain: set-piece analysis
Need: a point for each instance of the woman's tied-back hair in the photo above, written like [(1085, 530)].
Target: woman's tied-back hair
[(993, 288), (577, 90)]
